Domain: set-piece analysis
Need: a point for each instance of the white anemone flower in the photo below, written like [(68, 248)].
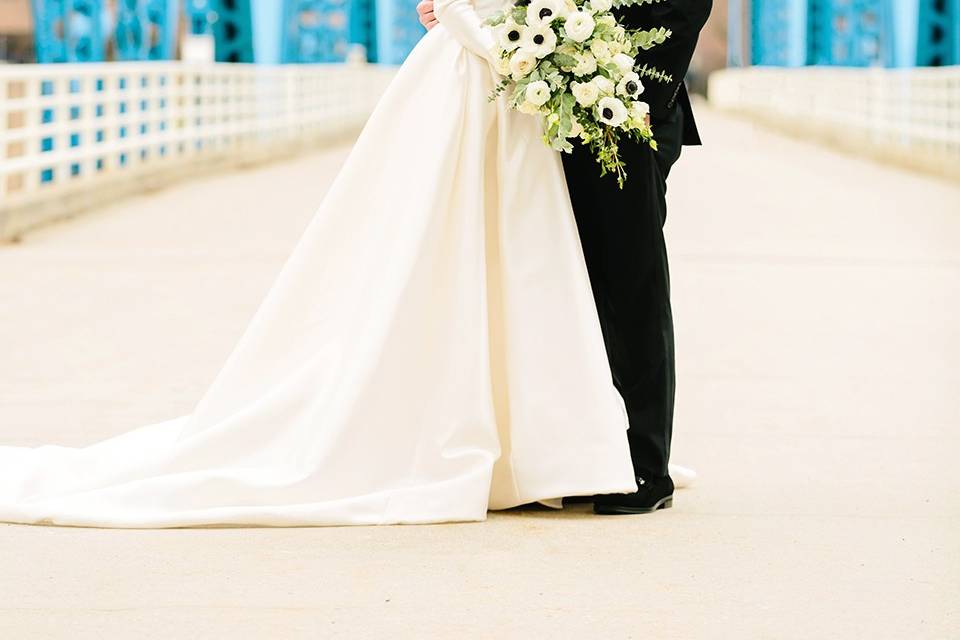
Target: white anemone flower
[(540, 13), (630, 85), (579, 26), (510, 35), (586, 64), (611, 111), (540, 41), (537, 93), (586, 93), (521, 64)]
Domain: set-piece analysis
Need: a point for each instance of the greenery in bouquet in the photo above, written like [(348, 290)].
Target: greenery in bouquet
[(573, 63)]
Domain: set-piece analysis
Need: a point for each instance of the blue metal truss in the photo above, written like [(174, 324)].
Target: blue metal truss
[(938, 41), (145, 29), (316, 30), (69, 30)]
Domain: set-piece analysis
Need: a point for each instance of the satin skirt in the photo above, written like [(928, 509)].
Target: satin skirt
[(429, 351)]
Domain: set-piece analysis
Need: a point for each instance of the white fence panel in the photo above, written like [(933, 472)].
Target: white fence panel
[(910, 116), (72, 136)]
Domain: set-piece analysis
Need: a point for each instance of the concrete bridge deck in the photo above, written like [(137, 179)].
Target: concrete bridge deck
[(817, 300)]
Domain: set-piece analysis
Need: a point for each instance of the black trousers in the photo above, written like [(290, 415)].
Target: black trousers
[(622, 236)]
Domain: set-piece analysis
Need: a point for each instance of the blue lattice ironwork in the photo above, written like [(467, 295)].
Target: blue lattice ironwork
[(145, 29), (200, 15), (771, 32), (859, 32), (316, 30), (69, 30), (398, 29), (363, 27), (938, 42)]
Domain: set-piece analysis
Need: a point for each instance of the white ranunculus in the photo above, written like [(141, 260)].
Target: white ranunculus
[(600, 6), (510, 35), (586, 93), (521, 64), (600, 50), (611, 111), (639, 111), (540, 41), (604, 85), (528, 108), (630, 85), (608, 20), (579, 26), (586, 64), (541, 13), (624, 62), (575, 129), (502, 66), (537, 93)]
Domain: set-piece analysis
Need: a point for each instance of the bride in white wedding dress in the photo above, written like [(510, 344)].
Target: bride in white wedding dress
[(429, 351)]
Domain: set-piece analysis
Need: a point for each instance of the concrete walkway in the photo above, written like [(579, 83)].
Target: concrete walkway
[(817, 300)]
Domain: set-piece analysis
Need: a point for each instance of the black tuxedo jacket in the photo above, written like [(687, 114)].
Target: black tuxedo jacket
[(685, 18)]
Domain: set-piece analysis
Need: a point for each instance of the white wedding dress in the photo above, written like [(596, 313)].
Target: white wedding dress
[(430, 350)]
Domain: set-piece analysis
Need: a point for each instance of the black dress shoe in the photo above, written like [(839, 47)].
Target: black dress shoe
[(653, 493)]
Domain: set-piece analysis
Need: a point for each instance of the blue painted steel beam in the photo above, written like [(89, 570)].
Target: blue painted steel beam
[(398, 29), (69, 30), (938, 41), (233, 30)]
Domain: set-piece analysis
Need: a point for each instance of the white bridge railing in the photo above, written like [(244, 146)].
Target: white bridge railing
[(910, 116), (73, 136)]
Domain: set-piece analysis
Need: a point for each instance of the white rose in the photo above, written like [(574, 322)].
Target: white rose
[(586, 93), (586, 64), (619, 33), (601, 6), (537, 93), (600, 50), (540, 13), (603, 84), (540, 41), (510, 35), (579, 26), (611, 111), (630, 85), (624, 62), (521, 64)]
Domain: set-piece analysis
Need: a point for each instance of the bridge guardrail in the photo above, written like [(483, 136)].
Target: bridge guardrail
[(909, 116), (74, 136)]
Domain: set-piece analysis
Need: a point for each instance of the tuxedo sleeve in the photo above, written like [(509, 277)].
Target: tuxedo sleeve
[(685, 18), (462, 21)]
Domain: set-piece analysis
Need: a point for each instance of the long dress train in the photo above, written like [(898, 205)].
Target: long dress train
[(429, 351)]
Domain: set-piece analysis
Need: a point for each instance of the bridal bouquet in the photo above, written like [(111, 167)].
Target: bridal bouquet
[(573, 63)]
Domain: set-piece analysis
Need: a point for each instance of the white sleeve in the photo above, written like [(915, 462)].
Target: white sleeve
[(464, 24)]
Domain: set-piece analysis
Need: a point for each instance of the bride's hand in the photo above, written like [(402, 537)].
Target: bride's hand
[(425, 12)]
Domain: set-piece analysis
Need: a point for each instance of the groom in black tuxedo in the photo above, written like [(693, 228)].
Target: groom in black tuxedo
[(622, 236)]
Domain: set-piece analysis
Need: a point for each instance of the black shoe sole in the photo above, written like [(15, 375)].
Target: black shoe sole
[(622, 509)]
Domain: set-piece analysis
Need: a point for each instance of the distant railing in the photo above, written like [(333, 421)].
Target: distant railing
[(73, 136), (911, 116)]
